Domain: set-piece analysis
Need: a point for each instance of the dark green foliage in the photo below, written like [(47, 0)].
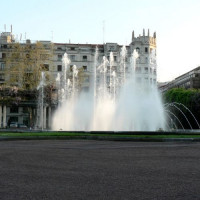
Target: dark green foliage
[(16, 96), (180, 95), (190, 98)]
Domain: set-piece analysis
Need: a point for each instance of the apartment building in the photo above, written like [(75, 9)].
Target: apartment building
[(81, 55), (188, 80)]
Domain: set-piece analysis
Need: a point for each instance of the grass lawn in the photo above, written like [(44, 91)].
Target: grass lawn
[(79, 135)]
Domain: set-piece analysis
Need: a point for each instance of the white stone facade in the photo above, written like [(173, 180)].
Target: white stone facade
[(82, 55)]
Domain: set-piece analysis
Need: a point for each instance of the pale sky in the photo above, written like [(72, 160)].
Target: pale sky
[(176, 22)]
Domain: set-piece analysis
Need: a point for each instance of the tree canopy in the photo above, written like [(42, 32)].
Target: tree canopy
[(24, 64)]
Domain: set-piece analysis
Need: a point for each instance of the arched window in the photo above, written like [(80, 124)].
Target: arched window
[(138, 49)]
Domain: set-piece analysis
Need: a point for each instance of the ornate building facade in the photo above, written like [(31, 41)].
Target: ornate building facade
[(81, 55)]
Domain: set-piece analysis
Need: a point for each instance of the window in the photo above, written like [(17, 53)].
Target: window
[(13, 119), (108, 69), (146, 49), (85, 49), (25, 109), (2, 66), (115, 58), (146, 60), (59, 57), (111, 48), (85, 89), (71, 68), (138, 49), (5, 46), (3, 55), (138, 69), (59, 48), (84, 58), (85, 68), (25, 120), (2, 77), (72, 48), (14, 109), (59, 68), (108, 79), (114, 68), (72, 57)]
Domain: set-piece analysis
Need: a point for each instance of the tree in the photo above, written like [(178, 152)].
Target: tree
[(24, 64)]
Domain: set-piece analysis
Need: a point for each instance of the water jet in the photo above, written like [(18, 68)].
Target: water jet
[(116, 100)]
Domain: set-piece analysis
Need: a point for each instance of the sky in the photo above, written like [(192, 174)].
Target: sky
[(176, 22)]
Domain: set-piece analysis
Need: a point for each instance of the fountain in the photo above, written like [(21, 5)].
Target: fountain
[(181, 116), (116, 100), (40, 113)]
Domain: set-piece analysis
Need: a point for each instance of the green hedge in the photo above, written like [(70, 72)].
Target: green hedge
[(190, 98)]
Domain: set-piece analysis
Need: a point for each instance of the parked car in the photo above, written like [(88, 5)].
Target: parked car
[(13, 125), (22, 126)]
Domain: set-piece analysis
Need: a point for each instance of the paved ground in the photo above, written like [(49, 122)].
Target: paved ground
[(93, 170)]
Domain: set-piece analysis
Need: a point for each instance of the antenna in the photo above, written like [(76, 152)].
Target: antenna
[(103, 31), (5, 27), (25, 35), (11, 33), (52, 36)]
